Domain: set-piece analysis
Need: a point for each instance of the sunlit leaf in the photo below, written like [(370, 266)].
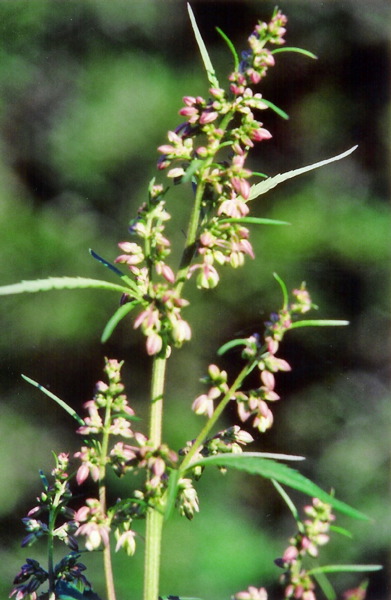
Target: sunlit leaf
[(204, 53), (270, 469), (264, 186), (60, 283), (253, 220), (344, 569)]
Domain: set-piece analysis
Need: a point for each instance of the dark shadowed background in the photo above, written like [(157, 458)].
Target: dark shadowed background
[(88, 91)]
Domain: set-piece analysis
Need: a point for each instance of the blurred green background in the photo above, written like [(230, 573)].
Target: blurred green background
[(88, 91)]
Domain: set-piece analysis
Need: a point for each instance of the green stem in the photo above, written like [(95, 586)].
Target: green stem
[(51, 526), (192, 231), (200, 439), (154, 524), (107, 564)]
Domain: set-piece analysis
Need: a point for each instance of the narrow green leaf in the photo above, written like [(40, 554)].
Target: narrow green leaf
[(191, 169), (264, 186), (260, 465), (326, 586), (60, 283), (231, 344), (345, 569), (204, 53), (283, 289), (119, 314), (341, 531), (294, 49), (242, 457), (253, 220), (63, 404), (230, 46), (115, 270), (171, 493), (106, 263), (44, 480), (319, 323), (281, 113), (286, 499)]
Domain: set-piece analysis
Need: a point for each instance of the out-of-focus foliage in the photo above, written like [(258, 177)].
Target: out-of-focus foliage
[(87, 92)]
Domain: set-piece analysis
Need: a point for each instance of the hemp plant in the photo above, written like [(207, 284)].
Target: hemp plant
[(207, 155)]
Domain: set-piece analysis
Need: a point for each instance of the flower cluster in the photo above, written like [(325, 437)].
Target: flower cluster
[(312, 533), (53, 500), (109, 414), (255, 403), (28, 580), (160, 318), (252, 593), (229, 440), (204, 404), (60, 523), (222, 179)]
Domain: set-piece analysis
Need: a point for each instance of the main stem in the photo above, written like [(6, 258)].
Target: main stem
[(155, 517)]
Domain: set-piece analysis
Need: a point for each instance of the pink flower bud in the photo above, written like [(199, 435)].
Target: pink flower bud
[(188, 111), (154, 344), (189, 100), (176, 172), (208, 117), (260, 134)]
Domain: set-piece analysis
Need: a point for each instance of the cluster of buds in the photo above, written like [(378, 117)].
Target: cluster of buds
[(204, 404), (53, 500), (312, 533), (187, 499), (252, 593), (32, 576), (255, 63), (60, 523), (228, 441), (160, 318), (223, 180), (94, 524), (255, 403), (108, 415), (28, 580)]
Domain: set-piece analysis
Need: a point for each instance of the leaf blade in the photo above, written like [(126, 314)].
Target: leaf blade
[(264, 186), (270, 469), (119, 314), (60, 283), (61, 403), (203, 51), (254, 221)]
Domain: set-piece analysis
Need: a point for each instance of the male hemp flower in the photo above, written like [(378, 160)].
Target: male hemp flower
[(252, 593), (95, 527)]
